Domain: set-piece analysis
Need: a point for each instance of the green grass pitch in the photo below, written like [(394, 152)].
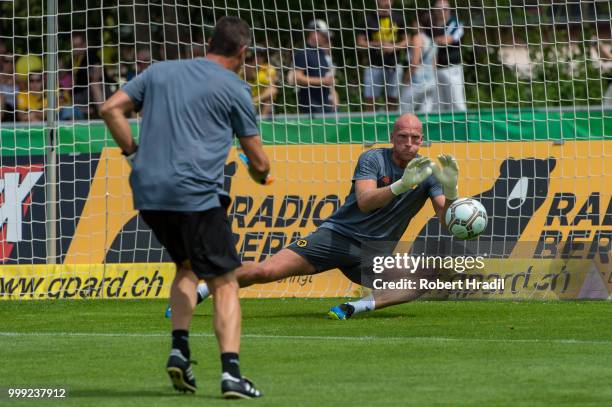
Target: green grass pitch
[(113, 353)]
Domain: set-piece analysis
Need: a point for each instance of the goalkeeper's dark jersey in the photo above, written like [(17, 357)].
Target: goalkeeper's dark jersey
[(389, 222)]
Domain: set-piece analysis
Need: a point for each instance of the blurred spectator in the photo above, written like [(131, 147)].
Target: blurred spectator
[(64, 74), (418, 91), (28, 63), (447, 32), (384, 36), (110, 68), (24, 65), (8, 87), (67, 111), (314, 71), (604, 46), (198, 50), (109, 54), (262, 78), (86, 77), (143, 61), (126, 63), (31, 104)]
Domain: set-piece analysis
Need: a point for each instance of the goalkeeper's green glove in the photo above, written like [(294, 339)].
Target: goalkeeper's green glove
[(417, 171), (447, 174)]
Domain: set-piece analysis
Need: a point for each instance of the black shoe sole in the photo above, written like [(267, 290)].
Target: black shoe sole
[(235, 395), (178, 380)]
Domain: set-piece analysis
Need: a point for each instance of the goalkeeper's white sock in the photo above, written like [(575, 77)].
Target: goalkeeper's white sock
[(363, 304), (203, 292)]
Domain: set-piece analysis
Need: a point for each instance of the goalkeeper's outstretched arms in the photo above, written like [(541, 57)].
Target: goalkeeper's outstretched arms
[(369, 197), (447, 174), (258, 162)]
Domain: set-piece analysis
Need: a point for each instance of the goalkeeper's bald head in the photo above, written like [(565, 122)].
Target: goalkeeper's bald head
[(406, 138), (408, 121)]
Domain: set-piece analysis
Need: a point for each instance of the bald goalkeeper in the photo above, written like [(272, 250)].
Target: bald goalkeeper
[(389, 187)]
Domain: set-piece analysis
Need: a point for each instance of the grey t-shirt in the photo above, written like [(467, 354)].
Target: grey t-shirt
[(190, 111), (389, 222)]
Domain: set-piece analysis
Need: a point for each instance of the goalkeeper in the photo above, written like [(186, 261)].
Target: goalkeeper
[(390, 186)]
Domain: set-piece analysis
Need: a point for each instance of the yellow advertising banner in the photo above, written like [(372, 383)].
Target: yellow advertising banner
[(530, 279), (514, 279), (557, 195), (135, 281)]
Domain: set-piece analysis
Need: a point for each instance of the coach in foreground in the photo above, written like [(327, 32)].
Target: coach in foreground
[(190, 111), (390, 186)]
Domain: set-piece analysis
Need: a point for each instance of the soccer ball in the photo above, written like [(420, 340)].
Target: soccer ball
[(466, 218)]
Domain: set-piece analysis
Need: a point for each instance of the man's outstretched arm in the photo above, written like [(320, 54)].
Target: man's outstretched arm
[(440, 205), (370, 197)]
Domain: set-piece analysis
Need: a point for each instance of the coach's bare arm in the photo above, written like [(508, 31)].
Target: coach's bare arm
[(259, 164), (113, 113)]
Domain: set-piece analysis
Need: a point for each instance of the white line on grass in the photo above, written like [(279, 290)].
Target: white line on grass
[(310, 337)]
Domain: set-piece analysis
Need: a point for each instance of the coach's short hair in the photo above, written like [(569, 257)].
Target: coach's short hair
[(230, 34)]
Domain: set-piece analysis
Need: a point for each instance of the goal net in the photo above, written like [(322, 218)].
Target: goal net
[(518, 91)]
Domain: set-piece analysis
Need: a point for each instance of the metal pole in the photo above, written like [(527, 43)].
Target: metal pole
[(51, 153)]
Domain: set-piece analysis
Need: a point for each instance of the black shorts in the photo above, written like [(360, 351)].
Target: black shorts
[(204, 238), (325, 250)]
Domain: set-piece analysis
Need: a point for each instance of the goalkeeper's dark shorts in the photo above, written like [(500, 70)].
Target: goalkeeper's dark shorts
[(325, 250), (203, 239)]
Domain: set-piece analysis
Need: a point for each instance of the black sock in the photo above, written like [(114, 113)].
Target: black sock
[(230, 364), (180, 341)]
